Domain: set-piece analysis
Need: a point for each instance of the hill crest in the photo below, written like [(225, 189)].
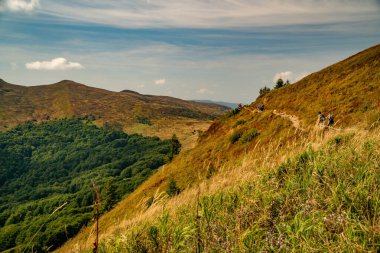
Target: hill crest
[(129, 111)]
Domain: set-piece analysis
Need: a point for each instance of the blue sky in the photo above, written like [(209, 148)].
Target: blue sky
[(192, 49)]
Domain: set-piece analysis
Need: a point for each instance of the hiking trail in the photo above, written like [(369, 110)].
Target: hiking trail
[(297, 123), (252, 111), (293, 118)]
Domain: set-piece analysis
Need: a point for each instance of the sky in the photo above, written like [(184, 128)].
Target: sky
[(223, 50)]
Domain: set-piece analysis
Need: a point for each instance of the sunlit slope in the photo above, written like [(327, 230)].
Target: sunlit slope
[(324, 200), (349, 89), (127, 110)]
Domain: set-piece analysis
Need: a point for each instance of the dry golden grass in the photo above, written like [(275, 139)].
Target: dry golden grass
[(130, 215), (349, 89)]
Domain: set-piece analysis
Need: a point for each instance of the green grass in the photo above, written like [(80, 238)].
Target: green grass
[(319, 201)]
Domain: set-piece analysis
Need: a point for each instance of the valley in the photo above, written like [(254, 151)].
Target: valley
[(231, 126)]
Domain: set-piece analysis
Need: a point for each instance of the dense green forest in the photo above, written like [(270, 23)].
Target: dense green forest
[(52, 164)]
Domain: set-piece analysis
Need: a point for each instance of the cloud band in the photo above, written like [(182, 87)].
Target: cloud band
[(54, 64)]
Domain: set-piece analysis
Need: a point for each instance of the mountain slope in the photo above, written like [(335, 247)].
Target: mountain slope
[(348, 89), (245, 140), (134, 113), (318, 201)]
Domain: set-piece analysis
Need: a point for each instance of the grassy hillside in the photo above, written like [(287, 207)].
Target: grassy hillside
[(53, 164), (250, 143), (348, 89), (319, 201), (129, 111)]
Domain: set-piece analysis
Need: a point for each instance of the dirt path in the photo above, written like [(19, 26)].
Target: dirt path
[(293, 118), (252, 111), (297, 123)]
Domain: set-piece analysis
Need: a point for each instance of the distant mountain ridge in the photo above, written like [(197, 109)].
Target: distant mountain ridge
[(227, 104), (133, 112)]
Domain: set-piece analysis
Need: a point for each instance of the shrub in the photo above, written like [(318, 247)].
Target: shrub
[(172, 188), (175, 147), (235, 136), (143, 120), (279, 83), (249, 136)]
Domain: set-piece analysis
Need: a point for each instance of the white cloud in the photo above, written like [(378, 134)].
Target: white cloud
[(160, 82), (141, 85), (19, 5), (204, 91), (289, 75), (54, 64)]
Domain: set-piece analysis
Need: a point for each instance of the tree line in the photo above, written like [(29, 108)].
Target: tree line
[(279, 84)]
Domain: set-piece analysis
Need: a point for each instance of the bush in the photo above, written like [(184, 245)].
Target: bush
[(175, 147), (249, 136), (235, 136), (172, 188), (143, 120), (279, 83)]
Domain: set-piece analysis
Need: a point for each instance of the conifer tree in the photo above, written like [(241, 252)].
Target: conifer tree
[(175, 147), (279, 83)]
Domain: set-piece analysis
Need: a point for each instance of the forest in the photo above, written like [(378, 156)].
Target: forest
[(47, 172)]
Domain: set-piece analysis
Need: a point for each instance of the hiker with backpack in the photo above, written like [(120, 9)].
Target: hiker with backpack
[(330, 119), (321, 118)]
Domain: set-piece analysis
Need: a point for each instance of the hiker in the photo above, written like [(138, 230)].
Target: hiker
[(260, 107), (321, 118), (330, 119)]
